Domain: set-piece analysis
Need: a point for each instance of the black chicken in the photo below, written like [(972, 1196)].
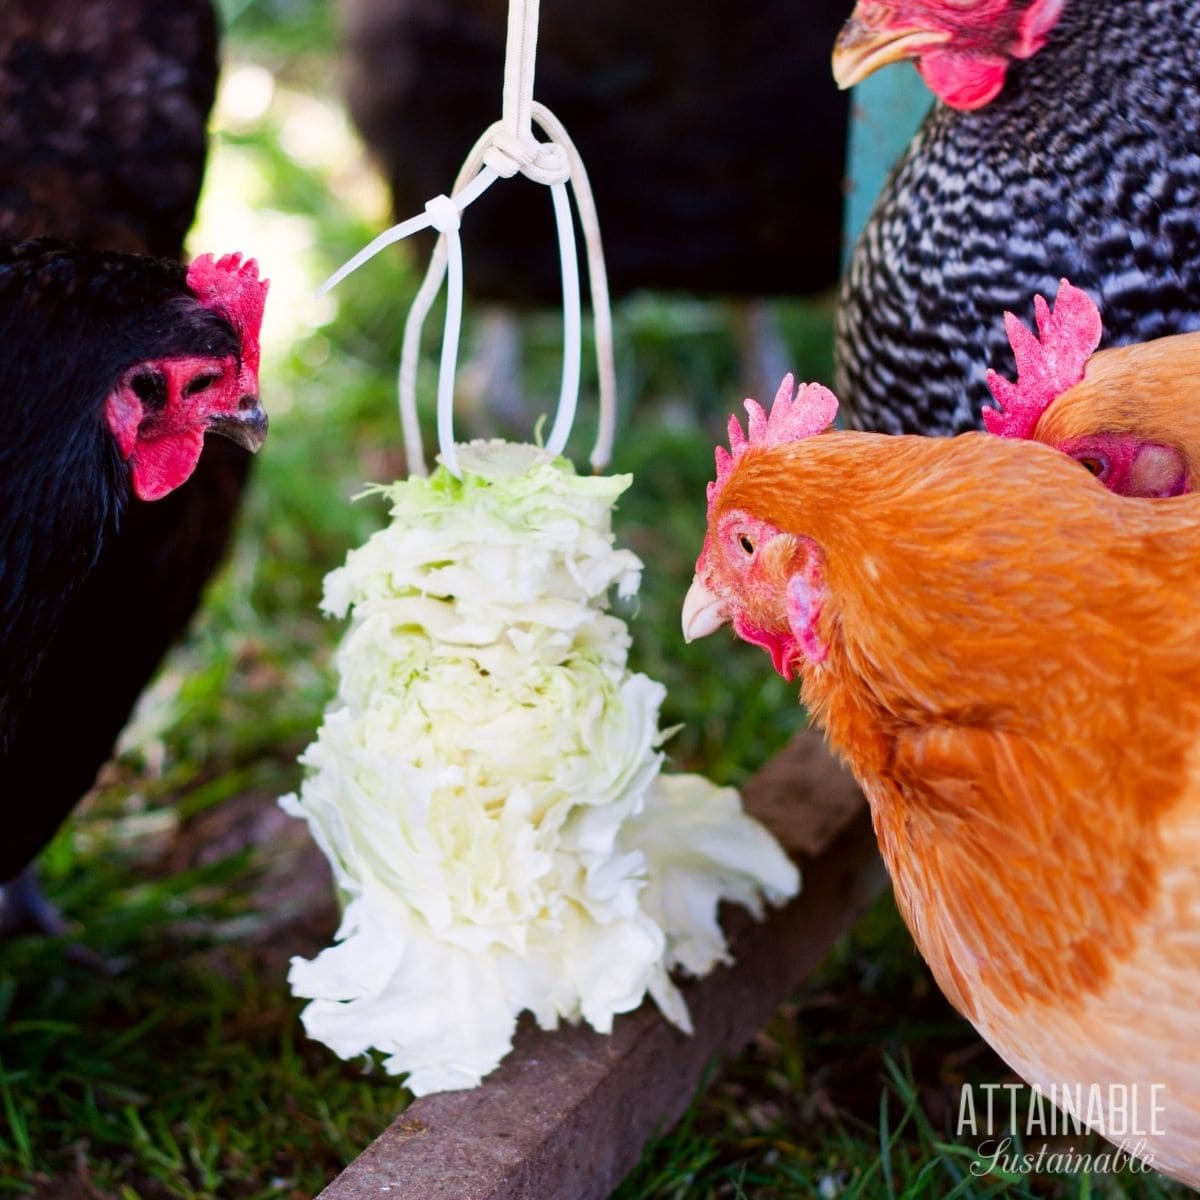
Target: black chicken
[(131, 361), (103, 113), (711, 136), (1085, 165)]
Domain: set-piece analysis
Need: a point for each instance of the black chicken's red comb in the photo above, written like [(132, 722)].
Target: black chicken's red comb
[(232, 287)]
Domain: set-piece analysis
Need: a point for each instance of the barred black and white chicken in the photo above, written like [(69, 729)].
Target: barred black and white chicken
[(1067, 145)]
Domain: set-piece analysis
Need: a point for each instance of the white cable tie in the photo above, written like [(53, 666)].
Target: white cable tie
[(585, 206), (410, 353), (444, 215), (397, 233), (451, 331), (472, 180), (568, 396)]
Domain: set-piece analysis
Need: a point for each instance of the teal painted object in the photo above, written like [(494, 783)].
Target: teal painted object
[(886, 109)]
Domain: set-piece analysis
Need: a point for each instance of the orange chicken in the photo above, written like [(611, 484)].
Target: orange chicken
[(1126, 413), (1007, 655)]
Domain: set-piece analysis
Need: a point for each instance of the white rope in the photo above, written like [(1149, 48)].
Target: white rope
[(520, 62), (506, 148)]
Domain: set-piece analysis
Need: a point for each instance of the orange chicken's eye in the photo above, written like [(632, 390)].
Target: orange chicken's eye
[(746, 543), (1094, 465)]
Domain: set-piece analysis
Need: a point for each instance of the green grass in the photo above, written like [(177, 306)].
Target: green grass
[(852, 1092), (181, 1069)]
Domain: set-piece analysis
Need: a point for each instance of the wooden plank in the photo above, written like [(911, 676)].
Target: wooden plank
[(567, 1114)]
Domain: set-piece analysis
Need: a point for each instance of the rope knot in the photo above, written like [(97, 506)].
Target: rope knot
[(543, 162), (444, 214), (557, 164)]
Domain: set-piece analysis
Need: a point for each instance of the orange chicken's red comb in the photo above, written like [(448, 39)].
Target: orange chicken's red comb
[(810, 410), (1069, 334)]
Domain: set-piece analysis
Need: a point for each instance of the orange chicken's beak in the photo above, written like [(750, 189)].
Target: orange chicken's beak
[(864, 46), (704, 612)]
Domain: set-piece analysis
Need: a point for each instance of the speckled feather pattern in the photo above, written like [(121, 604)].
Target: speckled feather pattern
[(1086, 166)]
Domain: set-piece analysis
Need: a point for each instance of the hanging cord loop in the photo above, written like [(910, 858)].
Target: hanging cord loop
[(507, 148)]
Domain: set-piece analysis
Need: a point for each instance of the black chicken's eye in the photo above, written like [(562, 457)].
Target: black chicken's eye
[(200, 384), (746, 543)]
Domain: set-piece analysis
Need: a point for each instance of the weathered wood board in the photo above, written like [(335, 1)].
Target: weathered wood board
[(567, 1114)]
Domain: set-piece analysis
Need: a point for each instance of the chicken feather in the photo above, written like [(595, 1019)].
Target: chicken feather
[(1016, 685)]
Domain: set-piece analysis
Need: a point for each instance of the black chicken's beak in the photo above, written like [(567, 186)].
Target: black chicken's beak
[(863, 47), (247, 426)]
